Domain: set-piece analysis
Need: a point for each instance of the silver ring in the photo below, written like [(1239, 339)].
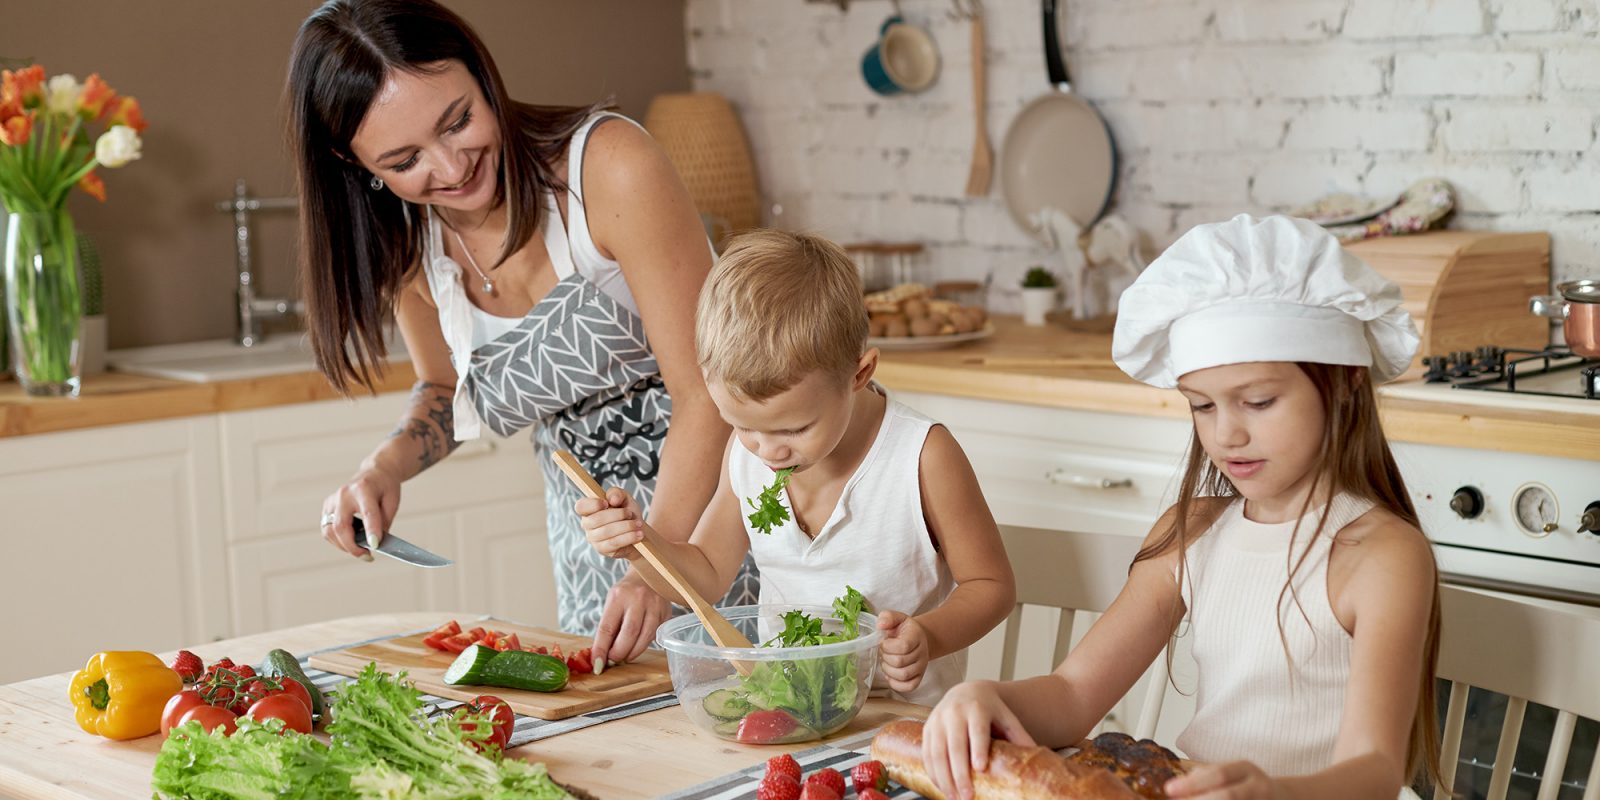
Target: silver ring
[(329, 518)]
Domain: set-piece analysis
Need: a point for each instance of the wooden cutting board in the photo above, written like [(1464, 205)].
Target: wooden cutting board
[(584, 692)]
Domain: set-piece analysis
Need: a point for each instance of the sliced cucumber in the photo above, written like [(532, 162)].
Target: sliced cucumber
[(471, 666), (727, 729), (726, 704)]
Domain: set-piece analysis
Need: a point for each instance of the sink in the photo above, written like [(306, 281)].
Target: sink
[(225, 360)]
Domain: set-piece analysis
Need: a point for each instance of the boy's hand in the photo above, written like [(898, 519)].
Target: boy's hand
[(904, 650), (613, 527)]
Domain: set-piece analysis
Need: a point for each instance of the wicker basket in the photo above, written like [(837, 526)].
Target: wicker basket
[(706, 143)]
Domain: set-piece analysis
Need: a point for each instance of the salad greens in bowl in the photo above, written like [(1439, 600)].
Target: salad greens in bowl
[(809, 677)]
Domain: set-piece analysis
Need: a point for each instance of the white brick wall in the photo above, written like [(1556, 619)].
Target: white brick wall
[(1217, 107)]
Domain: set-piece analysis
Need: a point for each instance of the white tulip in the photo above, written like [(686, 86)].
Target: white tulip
[(62, 93), (117, 146)]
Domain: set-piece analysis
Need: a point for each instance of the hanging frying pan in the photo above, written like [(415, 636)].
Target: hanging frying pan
[(1058, 151)]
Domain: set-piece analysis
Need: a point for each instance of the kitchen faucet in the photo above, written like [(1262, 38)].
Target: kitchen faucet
[(252, 310)]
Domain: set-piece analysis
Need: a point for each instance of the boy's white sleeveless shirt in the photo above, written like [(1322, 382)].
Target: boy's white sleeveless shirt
[(877, 540)]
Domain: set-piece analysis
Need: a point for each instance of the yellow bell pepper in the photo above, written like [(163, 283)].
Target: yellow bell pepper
[(120, 694)]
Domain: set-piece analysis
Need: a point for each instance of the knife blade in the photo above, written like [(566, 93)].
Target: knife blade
[(400, 549)]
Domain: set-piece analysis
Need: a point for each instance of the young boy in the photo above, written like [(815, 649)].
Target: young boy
[(881, 498)]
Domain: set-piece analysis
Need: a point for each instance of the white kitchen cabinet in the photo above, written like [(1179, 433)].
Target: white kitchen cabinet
[(482, 507), (112, 540), (1069, 470)]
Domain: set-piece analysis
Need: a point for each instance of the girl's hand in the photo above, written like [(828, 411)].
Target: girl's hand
[(956, 737), (904, 650), (613, 527), (372, 494), (1237, 780)]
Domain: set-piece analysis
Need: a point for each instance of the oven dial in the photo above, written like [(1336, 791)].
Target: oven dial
[(1590, 521), (1467, 502), (1536, 510)]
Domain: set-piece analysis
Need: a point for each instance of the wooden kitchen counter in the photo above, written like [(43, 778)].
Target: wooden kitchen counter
[(45, 756), (1013, 373), (115, 398)]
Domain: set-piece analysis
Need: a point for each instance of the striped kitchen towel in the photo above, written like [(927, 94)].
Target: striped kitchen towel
[(842, 755)]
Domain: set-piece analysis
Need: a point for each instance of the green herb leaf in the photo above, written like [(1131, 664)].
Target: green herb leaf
[(769, 509)]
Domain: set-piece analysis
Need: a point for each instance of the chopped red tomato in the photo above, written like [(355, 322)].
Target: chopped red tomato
[(476, 633), (538, 648), (507, 643), (450, 628), (581, 662), (555, 650), (457, 643)]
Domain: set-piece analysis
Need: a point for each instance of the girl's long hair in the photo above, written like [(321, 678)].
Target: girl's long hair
[(1355, 459), (358, 246)]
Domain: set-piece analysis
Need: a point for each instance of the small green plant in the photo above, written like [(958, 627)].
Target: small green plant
[(1038, 278)]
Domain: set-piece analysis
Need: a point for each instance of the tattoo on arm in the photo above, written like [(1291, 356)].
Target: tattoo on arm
[(434, 429)]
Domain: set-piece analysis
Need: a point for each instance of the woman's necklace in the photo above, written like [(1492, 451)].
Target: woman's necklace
[(488, 282)]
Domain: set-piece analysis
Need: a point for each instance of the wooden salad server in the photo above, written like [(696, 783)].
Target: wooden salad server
[(722, 631)]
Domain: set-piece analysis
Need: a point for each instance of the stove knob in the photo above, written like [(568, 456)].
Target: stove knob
[(1590, 521), (1468, 502)]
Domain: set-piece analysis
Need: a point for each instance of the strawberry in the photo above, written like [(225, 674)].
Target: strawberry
[(870, 793), (224, 663), (818, 791), (245, 671), (829, 777), (188, 666), (869, 775), (778, 786), (784, 764)]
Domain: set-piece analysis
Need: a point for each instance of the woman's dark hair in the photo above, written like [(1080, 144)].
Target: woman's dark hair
[(358, 247)]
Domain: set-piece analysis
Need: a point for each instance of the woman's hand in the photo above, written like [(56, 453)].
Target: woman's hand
[(956, 737), (904, 650), (628, 624), (372, 494), (1237, 780), (613, 526)]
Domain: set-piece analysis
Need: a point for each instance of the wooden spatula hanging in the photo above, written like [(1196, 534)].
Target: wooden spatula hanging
[(982, 153), (721, 630)]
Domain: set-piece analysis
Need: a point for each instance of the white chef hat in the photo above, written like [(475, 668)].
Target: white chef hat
[(1270, 289)]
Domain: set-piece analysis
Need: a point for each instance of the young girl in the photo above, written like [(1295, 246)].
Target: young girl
[(1293, 548)]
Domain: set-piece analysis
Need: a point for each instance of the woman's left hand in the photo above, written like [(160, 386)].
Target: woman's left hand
[(1237, 780), (632, 613)]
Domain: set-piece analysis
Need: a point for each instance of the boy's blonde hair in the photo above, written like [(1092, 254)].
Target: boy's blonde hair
[(776, 307)]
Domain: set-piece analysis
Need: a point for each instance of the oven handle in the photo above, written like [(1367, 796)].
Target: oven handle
[(1522, 589), (1061, 476)]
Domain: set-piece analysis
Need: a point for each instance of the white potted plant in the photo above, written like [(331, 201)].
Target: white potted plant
[(1038, 295)]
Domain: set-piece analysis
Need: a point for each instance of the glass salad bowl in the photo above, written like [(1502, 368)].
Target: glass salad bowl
[(789, 694)]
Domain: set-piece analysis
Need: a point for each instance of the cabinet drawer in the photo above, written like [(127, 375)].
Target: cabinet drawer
[(1064, 469)]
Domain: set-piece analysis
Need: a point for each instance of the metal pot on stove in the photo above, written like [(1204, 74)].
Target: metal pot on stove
[(1578, 307)]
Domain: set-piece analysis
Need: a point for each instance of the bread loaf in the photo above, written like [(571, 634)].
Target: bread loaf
[(1014, 772)]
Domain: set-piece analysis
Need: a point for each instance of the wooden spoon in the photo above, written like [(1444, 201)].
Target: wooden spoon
[(982, 153), (721, 630)]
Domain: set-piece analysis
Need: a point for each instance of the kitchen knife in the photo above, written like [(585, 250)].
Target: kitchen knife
[(400, 549)]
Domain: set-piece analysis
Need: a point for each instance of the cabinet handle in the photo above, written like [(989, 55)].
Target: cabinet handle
[(477, 448), (1061, 476)]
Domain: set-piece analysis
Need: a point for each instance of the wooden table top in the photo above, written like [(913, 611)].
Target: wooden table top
[(45, 756)]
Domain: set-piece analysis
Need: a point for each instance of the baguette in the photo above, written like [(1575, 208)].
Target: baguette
[(1014, 772)]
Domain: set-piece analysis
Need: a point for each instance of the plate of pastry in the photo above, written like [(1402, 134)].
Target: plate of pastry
[(909, 317)]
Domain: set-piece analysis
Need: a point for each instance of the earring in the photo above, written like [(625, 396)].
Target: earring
[(377, 183)]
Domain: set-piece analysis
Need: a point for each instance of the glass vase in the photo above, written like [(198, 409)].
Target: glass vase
[(43, 303)]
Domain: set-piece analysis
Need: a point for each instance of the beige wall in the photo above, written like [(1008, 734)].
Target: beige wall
[(209, 74)]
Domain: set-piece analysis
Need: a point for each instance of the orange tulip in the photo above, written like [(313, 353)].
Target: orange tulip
[(93, 186), (128, 113), (97, 98), (25, 86), (15, 131), (9, 109)]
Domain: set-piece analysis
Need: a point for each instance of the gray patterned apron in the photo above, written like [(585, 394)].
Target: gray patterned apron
[(579, 367)]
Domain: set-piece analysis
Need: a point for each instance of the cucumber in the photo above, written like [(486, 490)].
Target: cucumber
[(726, 704), (513, 669), (727, 729), (283, 664), (470, 666), (535, 672)]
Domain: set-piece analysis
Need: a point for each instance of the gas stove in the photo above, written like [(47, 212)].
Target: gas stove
[(1516, 522), (1552, 372)]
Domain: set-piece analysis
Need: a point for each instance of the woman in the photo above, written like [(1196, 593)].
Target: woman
[(542, 264)]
